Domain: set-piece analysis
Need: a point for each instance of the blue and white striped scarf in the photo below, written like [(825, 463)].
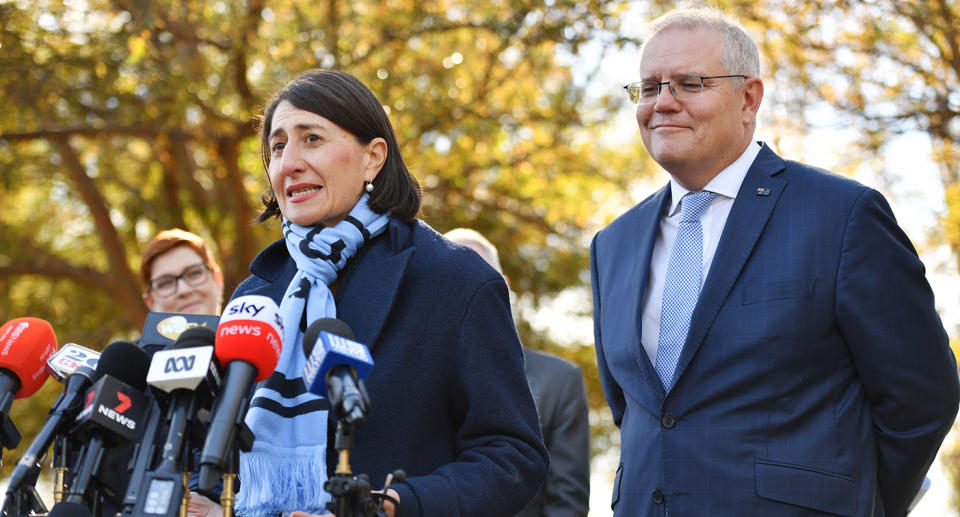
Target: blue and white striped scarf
[(286, 468)]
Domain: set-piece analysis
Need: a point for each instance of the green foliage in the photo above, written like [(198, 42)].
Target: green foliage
[(887, 68)]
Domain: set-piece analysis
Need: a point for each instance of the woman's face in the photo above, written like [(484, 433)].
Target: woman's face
[(196, 288), (317, 169)]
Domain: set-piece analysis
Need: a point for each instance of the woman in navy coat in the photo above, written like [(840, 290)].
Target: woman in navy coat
[(450, 401)]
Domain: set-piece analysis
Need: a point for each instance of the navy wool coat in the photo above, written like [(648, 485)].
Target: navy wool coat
[(450, 402)]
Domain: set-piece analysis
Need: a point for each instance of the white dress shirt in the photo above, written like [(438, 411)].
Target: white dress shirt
[(725, 184)]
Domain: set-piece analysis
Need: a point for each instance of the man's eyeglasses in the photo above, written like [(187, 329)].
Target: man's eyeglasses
[(166, 285), (683, 88)]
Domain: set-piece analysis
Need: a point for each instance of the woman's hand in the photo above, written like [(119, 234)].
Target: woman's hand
[(200, 506), (387, 504), (388, 507)]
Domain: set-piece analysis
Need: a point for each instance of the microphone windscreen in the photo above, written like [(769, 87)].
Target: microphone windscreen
[(25, 346), (194, 337), (249, 331), (331, 325), (125, 362), (65, 509), (333, 346)]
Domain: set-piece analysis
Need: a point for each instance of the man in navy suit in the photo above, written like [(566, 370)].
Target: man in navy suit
[(766, 338)]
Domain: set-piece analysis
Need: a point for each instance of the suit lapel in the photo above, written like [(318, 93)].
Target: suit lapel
[(623, 252), (374, 284), (649, 228), (757, 197)]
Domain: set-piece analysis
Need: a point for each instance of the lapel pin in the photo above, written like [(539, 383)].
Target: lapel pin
[(763, 191)]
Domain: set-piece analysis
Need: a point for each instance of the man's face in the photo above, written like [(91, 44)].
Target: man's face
[(698, 137)]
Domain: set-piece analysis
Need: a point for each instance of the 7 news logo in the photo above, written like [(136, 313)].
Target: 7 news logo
[(108, 404), (115, 413)]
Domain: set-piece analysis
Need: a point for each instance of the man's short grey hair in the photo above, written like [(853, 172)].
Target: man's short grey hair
[(740, 55), (466, 236)]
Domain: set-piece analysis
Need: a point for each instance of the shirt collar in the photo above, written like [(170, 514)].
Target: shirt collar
[(726, 183)]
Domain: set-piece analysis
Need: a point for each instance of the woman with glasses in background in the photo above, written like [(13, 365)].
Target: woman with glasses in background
[(181, 275)]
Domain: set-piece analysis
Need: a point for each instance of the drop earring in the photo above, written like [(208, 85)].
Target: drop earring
[(368, 187)]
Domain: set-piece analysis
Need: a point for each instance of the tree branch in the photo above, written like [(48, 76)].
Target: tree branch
[(122, 283)]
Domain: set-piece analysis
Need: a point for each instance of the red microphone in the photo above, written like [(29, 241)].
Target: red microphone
[(25, 346), (247, 347), (249, 331)]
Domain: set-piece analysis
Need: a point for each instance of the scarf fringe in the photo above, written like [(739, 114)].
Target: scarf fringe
[(266, 468)]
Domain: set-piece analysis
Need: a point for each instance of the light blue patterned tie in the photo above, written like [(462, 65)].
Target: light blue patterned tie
[(682, 286)]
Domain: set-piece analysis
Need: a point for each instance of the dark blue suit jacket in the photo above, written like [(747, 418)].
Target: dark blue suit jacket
[(561, 398), (450, 401), (816, 378)]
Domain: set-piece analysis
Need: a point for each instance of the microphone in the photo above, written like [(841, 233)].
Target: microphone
[(73, 365), (188, 373), (25, 344), (160, 332), (70, 358), (163, 328), (187, 366), (114, 408), (247, 346), (336, 368), (65, 509)]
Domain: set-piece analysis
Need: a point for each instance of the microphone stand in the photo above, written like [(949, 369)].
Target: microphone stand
[(61, 454), (9, 435), (351, 493), (226, 492), (83, 489), (242, 441), (143, 456), (24, 499)]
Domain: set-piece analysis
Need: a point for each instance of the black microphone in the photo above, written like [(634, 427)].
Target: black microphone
[(114, 408), (188, 373), (65, 509), (64, 409), (142, 458), (247, 346)]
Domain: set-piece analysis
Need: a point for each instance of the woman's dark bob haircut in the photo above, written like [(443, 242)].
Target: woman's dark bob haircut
[(342, 99)]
